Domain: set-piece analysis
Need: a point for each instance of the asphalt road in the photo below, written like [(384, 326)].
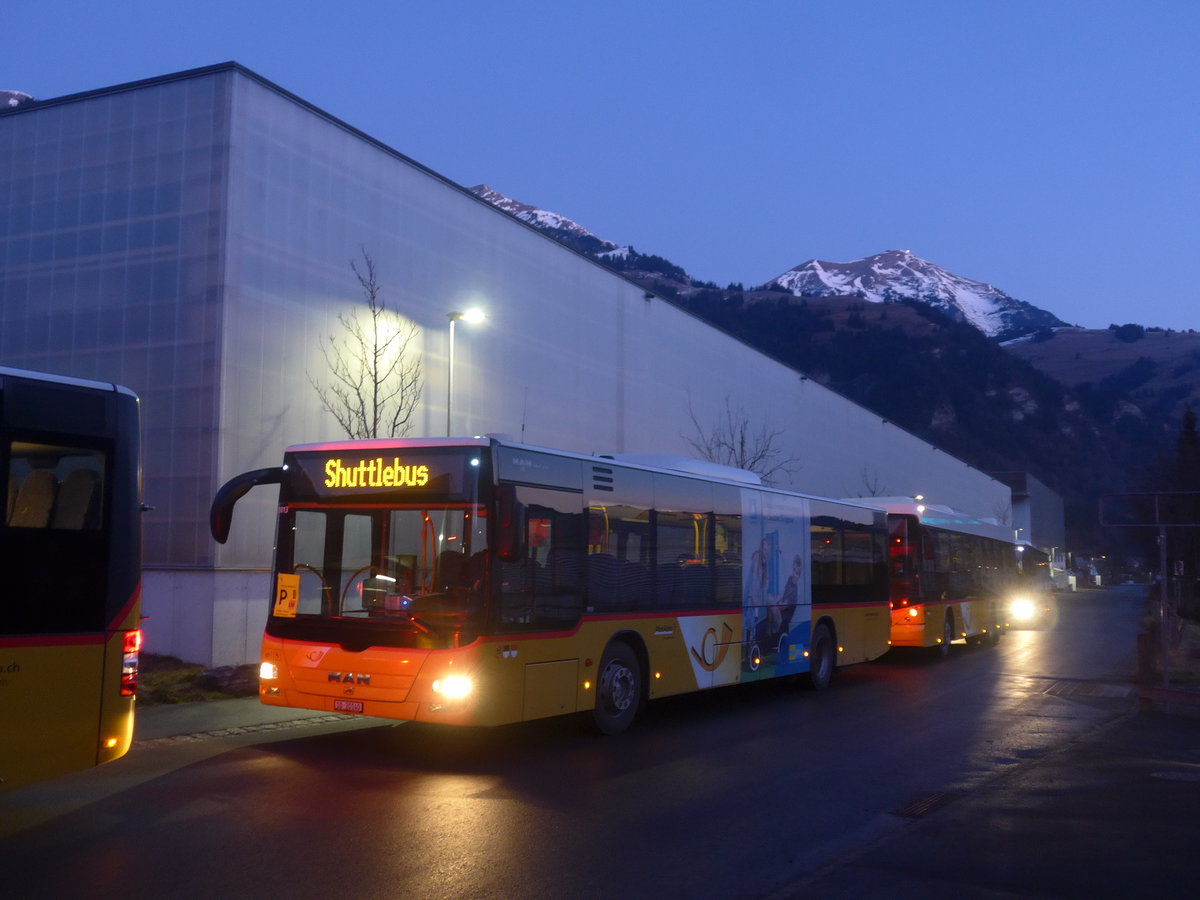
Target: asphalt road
[(754, 791)]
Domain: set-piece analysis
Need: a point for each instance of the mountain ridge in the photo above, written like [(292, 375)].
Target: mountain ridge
[(889, 276)]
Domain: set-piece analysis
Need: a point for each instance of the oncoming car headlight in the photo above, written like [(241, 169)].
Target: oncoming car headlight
[(453, 687)]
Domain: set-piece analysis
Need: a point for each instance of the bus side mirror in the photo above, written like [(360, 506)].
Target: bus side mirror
[(510, 525), (220, 515)]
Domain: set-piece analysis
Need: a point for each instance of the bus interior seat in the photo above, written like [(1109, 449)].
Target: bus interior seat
[(35, 500), (78, 497)]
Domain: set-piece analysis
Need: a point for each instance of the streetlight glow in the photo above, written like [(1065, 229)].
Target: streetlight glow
[(472, 316)]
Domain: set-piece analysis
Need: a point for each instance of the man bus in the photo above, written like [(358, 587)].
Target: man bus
[(481, 582)]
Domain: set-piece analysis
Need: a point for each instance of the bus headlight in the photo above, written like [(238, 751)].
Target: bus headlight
[(453, 687), (1022, 609), (268, 671)]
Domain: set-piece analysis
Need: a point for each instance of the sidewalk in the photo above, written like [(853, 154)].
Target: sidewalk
[(217, 718)]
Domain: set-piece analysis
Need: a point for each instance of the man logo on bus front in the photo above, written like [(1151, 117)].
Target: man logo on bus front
[(349, 677)]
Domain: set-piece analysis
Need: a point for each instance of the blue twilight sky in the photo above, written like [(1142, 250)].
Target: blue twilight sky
[(1048, 147)]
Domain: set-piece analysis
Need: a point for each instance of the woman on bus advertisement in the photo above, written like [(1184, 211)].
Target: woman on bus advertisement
[(776, 612)]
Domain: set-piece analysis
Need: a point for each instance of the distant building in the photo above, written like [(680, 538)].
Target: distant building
[(1038, 516), (190, 236)]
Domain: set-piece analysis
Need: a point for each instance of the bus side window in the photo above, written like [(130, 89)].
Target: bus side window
[(542, 586), (37, 498), (510, 525), (620, 569), (727, 576), (685, 569)]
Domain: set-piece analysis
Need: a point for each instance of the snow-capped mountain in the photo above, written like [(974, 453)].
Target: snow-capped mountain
[(539, 218), (890, 276), (654, 271), (13, 99), (899, 275)]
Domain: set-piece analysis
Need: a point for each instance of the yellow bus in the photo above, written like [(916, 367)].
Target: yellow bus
[(951, 575), (482, 582), (70, 551)]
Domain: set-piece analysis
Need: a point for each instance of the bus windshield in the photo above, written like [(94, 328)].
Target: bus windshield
[(412, 573)]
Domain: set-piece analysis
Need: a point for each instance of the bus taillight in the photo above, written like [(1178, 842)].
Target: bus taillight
[(129, 662)]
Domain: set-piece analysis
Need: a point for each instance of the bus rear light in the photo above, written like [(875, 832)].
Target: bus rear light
[(268, 671), (131, 645), (913, 612)]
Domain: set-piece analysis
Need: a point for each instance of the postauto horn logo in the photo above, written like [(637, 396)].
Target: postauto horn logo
[(374, 473)]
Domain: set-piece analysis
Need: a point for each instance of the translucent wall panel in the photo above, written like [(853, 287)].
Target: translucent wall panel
[(112, 211)]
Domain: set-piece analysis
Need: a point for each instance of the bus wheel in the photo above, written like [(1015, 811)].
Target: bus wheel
[(943, 649), (822, 658), (618, 689)]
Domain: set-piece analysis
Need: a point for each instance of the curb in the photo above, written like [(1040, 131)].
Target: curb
[(239, 729), (1174, 701)]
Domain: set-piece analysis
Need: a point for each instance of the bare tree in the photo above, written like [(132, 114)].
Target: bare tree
[(731, 441), (374, 376), (872, 483)]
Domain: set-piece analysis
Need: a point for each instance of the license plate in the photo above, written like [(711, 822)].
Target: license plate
[(348, 706)]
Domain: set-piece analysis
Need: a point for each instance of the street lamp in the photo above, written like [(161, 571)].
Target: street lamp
[(471, 317)]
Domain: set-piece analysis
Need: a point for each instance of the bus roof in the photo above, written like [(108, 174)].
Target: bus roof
[(29, 374), (671, 465), (945, 517)]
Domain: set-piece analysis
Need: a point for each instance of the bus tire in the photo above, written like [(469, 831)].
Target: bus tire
[(943, 647), (822, 658), (996, 631), (618, 689)]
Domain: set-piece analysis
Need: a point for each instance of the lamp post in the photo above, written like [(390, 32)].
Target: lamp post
[(471, 316)]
